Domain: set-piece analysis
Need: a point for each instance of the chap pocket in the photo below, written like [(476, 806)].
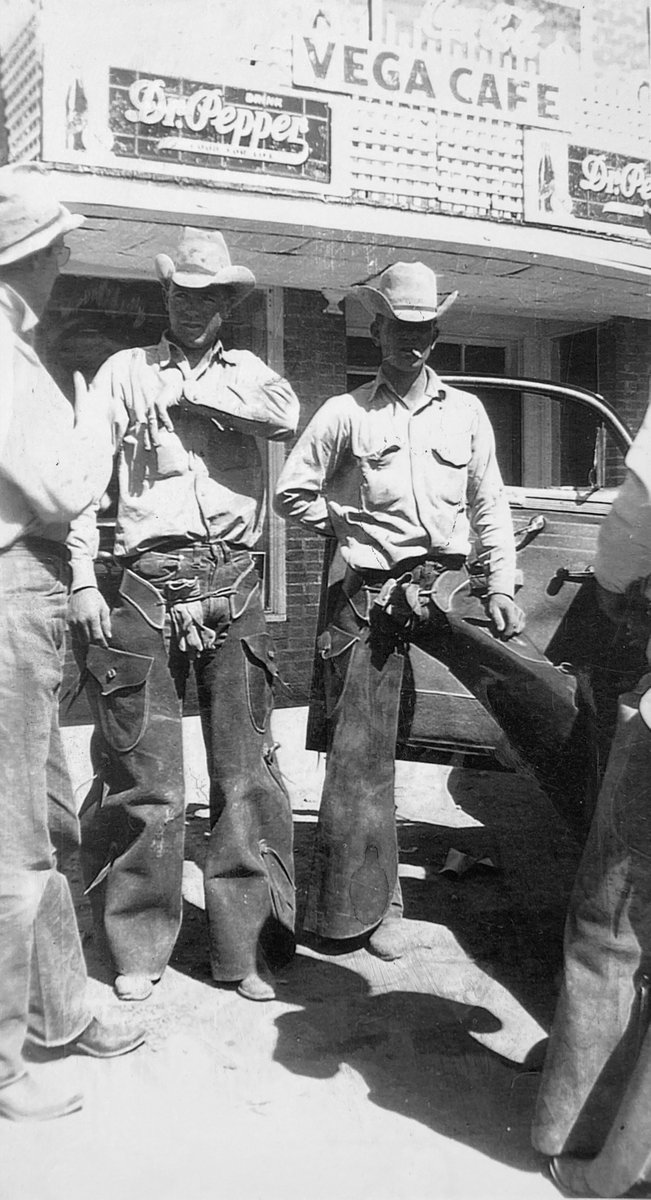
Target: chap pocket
[(336, 648), (261, 672), (120, 682)]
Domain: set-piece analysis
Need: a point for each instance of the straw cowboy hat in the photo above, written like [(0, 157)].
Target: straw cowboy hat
[(406, 292), (31, 219), (202, 260)]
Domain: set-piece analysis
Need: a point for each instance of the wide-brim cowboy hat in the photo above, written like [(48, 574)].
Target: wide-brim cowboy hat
[(31, 218), (406, 291), (203, 260)]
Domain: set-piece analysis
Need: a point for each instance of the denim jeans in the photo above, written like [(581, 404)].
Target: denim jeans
[(133, 818), (602, 1014), (42, 969)]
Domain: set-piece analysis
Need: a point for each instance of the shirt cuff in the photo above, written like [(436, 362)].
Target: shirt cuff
[(83, 573), (501, 583)]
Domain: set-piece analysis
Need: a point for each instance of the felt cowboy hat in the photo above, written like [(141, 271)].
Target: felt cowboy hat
[(202, 260), (31, 219), (406, 291)]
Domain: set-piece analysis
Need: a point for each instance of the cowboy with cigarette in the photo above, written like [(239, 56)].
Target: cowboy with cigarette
[(399, 471), (185, 418)]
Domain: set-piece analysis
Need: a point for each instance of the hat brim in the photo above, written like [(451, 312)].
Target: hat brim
[(239, 278), (375, 302), (42, 238)]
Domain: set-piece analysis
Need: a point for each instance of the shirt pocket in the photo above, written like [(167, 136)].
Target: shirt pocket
[(378, 469), (451, 456)]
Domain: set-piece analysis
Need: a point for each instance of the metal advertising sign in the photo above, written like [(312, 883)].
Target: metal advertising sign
[(566, 184), (517, 63), (212, 125)]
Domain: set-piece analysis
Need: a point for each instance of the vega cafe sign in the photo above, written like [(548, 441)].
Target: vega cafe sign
[(431, 79)]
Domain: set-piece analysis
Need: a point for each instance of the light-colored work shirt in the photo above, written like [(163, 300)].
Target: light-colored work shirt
[(49, 469), (624, 545), (394, 479), (206, 480)]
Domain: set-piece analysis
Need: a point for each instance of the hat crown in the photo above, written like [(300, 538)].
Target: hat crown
[(203, 260), (31, 217), (409, 285), (202, 251), (405, 291)]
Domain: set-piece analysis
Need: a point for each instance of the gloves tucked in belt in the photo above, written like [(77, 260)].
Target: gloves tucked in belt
[(186, 615), (403, 601)]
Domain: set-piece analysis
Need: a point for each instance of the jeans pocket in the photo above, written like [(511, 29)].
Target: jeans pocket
[(261, 673), (336, 647), (120, 682)]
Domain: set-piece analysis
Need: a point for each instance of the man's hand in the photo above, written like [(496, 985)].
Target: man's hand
[(84, 406), (89, 617), (149, 402), (506, 615)]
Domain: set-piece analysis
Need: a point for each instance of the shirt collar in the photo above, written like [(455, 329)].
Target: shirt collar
[(22, 318), (171, 355), (434, 387)]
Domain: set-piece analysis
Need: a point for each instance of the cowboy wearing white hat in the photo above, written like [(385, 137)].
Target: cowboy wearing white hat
[(397, 471), (190, 510), (51, 468), (203, 260), (406, 292)]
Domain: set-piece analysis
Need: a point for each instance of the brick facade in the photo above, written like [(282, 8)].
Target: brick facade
[(315, 364), (625, 367)]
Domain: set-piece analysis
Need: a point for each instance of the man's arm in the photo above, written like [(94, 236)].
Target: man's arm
[(624, 545), (88, 612), (623, 559), (300, 491), (256, 401), (59, 465), (490, 518)]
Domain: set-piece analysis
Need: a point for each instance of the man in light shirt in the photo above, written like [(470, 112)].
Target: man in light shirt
[(389, 470), (51, 468), (593, 1115), (190, 510)]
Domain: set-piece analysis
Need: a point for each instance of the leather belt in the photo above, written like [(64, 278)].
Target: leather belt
[(415, 566)]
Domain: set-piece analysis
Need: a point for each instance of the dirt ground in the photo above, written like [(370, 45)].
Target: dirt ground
[(363, 1079)]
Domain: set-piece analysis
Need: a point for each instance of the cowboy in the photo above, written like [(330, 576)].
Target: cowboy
[(51, 468), (389, 470), (593, 1113), (190, 509)]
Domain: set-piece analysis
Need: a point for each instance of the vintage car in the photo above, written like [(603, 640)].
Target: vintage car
[(546, 700)]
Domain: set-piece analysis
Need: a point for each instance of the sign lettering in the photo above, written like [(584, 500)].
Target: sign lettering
[(429, 79), (166, 119)]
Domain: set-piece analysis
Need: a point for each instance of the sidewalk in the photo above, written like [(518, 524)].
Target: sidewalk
[(364, 1079)]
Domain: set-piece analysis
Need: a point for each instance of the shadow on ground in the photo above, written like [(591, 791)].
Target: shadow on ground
[(415, 1053)]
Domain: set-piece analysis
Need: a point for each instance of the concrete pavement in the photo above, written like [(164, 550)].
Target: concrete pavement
[(363, 1079)]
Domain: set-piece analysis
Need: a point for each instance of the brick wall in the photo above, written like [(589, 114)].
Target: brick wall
[(625, 367), (315, 364)]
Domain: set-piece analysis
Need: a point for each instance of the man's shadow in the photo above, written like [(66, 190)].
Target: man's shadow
[(416, 1053), (506, 914)]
